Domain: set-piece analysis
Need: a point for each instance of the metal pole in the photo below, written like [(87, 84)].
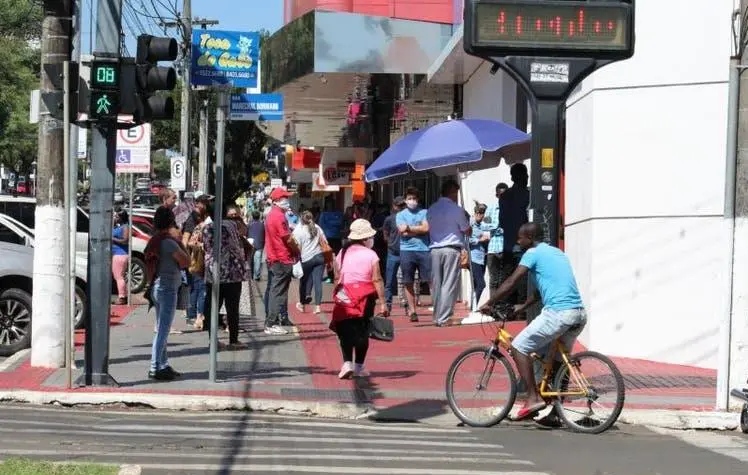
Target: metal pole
[(67, 304), (129, 244), (221, 113), (202, 164), (104, 144), (186, 88), (723, 371)]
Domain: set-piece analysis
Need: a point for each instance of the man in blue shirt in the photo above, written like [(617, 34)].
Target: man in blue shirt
[(563, 316), (414, 246)]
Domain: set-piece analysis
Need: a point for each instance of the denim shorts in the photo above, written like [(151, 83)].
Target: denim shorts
[(565, 325), (412, 260)]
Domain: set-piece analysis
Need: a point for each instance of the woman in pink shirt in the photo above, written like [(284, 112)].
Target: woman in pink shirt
[(358, 285)]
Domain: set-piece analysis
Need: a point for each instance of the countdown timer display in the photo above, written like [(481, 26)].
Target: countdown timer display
[(535, 28), (105, 74)]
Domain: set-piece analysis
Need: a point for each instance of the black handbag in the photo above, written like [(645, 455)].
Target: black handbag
[(381, 328)]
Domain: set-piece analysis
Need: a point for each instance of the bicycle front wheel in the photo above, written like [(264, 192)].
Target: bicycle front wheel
[(481, 387), (597, 376)]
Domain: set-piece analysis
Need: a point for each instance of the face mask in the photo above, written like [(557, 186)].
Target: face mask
[(411, 204), (369, 243), (283, 204)]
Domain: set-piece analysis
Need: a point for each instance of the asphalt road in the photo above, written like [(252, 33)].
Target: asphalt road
[(223, 443)]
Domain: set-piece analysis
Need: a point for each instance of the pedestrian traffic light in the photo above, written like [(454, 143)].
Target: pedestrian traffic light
[(104, 102), (150, 78)]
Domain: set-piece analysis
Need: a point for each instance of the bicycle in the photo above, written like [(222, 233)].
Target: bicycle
[(563, 384)]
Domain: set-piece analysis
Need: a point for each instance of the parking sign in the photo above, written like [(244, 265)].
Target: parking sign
[(178, 173), (134, 149)]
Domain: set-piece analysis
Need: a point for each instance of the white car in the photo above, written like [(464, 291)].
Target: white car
[(23, 209), (16, 277)]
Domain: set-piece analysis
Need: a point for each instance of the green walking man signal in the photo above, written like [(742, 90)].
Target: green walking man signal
[(103, 105), (105, 89)]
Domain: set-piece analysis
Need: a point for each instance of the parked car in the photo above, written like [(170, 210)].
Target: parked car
[(146, 200), (143, 184), (23, 209), (16, 286)]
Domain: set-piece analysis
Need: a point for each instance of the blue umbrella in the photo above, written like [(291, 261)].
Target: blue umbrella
[(451, 147)]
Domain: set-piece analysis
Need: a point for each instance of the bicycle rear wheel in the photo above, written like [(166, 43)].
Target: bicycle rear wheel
[(606, 393), (468, 392)]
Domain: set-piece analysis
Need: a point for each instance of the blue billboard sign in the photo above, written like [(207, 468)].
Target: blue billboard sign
[(268, 107), (228, 58)]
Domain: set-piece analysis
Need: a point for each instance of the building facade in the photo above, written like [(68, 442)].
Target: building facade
[(645, 183)]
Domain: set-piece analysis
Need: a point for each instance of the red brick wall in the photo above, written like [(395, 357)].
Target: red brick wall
[(439, 11)]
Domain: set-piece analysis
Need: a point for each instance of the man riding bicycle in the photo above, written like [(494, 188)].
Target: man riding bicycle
[(563, 316)]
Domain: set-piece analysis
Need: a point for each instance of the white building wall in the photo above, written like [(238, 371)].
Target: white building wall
[(645, 182)]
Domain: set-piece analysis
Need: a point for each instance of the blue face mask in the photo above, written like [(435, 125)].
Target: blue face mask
[(283, 204)]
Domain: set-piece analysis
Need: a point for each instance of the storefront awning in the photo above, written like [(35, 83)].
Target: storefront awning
[(454, 65)]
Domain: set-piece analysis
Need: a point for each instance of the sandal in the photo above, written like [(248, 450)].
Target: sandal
[(529, 411)]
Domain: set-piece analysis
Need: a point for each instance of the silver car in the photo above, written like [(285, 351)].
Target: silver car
[(16, 274)]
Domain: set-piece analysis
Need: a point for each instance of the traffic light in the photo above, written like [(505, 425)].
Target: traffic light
[(150, 78)]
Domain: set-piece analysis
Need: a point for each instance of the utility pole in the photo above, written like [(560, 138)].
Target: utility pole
[(185, 142), (49, 285), (202, 164), (103, 148), (733, 351)]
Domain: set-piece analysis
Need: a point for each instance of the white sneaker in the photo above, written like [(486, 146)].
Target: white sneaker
[(317, 309), (346, 371), (360, 372), (276, 330), (300, 307)]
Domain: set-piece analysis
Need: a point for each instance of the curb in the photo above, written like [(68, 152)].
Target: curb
[(663, 418)]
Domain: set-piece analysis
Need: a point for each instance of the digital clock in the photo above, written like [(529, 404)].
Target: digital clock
[(105, 75), (595, 29)]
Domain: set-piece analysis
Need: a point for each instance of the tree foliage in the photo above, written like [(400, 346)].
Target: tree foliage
[(20, 29)]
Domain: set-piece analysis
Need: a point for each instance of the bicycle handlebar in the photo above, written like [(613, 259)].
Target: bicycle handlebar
[(502, 311)]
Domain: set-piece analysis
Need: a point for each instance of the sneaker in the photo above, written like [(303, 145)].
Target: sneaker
[(317, 309), (276, 330), (413, 317), (286, 322), (346, 371), (431, 309), (300, 307), (359, 371)]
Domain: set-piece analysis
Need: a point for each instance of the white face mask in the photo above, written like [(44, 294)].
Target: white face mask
[(283, 204), (369, 243), (411, 204)]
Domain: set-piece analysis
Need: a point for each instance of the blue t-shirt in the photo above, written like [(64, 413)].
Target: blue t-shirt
[(331, 223), (554, 278), (119, 249), (413, 218)]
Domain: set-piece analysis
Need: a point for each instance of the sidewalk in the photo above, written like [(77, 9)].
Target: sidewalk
[(298, 372)]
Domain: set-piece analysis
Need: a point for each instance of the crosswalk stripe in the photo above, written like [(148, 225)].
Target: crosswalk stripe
[(344, 470), (285, 456), (268, 438), (228, 425)]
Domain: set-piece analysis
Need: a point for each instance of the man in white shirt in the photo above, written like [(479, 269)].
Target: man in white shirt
[(448, 226)]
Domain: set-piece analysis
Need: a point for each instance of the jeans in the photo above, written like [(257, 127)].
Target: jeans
[(229, 293), (313, 270), (257, 263), (283, 311), (165, 298), (390, 277), (564, 325), (494, 264), (479, 279), (197, 296)]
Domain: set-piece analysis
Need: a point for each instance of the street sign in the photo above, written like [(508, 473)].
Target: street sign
[(178, 173), (225, 58), (134, 149), (267, 107)]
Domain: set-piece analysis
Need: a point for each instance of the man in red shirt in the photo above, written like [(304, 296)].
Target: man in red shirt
[(281, 251)]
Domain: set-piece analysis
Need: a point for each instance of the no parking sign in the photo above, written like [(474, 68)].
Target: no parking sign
[(134, 149)]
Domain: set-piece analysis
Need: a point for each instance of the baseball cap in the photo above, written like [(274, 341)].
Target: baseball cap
[(279, 193), (199, 194), (398, 201)]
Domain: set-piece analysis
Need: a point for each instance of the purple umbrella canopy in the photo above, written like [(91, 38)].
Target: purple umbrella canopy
[(452, 147)]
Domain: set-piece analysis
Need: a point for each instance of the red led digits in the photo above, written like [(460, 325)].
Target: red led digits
[(577, 24)]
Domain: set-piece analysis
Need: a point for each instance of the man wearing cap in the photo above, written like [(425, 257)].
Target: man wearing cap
[(391, 236), (281, 252)]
